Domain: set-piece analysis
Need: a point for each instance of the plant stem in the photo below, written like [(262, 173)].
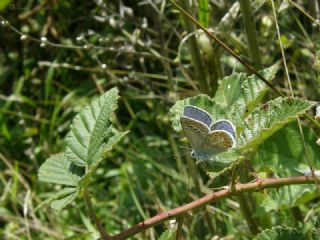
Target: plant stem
[(212, 197), (195, 51), (249, 24), (92, 214), (246, 211)]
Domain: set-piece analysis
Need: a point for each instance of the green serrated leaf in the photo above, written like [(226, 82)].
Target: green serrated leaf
[(229, 90), (87, 132), (58, 169), (116, 137), (254, 89), (286, 197), (280, 233), (60, 199), (220, 162), (114, 140), (269, 118), (252, 92), (61, 203), (284, 151), (201, 101)]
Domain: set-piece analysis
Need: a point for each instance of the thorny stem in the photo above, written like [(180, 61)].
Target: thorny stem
[(212, 197), (92, 214), (233, 180)]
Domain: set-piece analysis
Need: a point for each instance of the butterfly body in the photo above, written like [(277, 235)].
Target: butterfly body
[(207, 138)]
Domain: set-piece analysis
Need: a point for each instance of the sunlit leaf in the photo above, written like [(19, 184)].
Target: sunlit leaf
[(229, 90), (58, 169), (284, 152), (253, 90), (87, 132), (61, 203), (219, 162), (60, 199), (269, 118)]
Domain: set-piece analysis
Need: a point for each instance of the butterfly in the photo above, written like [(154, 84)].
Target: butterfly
[(207, 138)]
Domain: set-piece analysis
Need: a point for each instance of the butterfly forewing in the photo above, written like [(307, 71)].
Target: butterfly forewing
[(197, 114), (195, 131)]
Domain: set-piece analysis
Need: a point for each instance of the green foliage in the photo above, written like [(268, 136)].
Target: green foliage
[(286, 198), (284, 151), (168, 235), (280, 233), (283, 154), (60, 199), (90, 137), (240, 94), (143, 48), (4, 4), (269, 118), (237, 98), (59, 170), (204, 12), (89, 129)]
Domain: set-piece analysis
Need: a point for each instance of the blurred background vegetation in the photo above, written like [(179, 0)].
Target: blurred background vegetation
[(55, 56)]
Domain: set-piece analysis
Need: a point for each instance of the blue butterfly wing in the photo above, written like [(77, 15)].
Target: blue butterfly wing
[(221, 137), (225, 125), (197, 114)]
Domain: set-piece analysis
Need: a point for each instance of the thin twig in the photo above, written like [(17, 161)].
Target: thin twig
[(212, 197), (97, 222)]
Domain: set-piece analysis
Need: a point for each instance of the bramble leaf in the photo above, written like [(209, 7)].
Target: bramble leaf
[(60, 199), (90, 137), (284, 152), (87, 132), (58, 169), (269, 118)]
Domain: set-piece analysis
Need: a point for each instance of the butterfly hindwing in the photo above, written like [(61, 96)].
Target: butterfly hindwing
[(219, 141), (225, 125)]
